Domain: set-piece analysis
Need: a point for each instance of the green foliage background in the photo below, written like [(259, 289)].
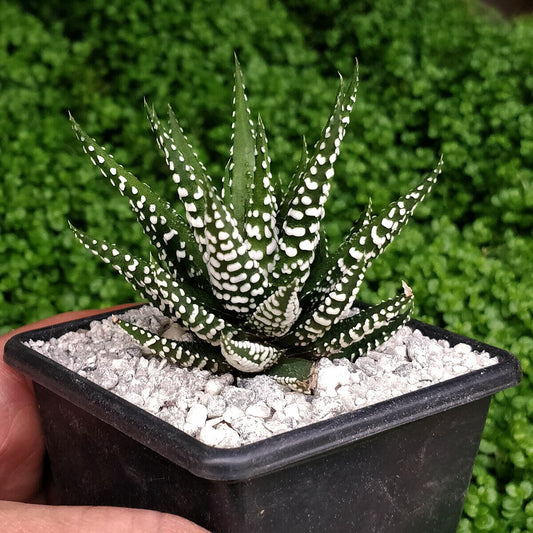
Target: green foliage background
[(436, 77)]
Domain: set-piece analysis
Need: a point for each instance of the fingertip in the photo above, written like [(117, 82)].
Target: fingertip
[(16, 517)]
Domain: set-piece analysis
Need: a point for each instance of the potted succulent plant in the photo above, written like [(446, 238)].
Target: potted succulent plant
[(245, 268)]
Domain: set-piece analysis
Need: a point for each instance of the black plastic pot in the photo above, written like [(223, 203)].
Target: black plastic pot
[(402, 465)]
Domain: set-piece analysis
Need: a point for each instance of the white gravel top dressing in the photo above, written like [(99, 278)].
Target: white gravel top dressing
[(225, 412)]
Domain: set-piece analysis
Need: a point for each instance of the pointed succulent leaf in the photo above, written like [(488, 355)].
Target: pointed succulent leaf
[(330, 305), (181, 142), (225, 192), (295, 178), (187, 172), (366, 329), (299, 233), (298, 374), (391, 220), (242, 150), (175, 297), (236, 278), (206, 321), (355, 232), (371, 240), (377, 337), (260, 226), (139, 272), (374, 339), (333, 304), (327, 269), (361, 222), (322, 251), (320, 266), (275, 316), (184, 354), (130, 267), (248, 356), (167, 230)]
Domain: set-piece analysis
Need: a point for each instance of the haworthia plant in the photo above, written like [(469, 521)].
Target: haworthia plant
[(247, 270)]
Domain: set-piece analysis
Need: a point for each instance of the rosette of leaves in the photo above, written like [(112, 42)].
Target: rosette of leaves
[(243, 264)]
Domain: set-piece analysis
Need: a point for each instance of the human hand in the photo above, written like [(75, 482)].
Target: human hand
[(23, 498)]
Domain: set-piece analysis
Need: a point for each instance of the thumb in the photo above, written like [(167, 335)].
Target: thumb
[(21, 517)]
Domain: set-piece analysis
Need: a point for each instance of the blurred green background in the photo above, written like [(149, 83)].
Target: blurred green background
[(438, 76)]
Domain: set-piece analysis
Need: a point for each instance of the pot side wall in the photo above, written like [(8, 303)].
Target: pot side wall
[(411, 479)]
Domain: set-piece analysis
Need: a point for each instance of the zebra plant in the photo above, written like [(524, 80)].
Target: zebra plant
[(245, 267)]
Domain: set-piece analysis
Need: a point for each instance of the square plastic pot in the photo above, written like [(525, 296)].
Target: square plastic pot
[(402, 465)]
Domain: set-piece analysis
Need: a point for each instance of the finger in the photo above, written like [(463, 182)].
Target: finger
[(16, 517), (21, 441)]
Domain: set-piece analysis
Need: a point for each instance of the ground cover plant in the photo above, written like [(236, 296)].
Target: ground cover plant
[(443, 78)]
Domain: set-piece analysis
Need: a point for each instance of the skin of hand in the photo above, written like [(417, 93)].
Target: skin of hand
[(23, 501)]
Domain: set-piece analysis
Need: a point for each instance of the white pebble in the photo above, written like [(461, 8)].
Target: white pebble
[(196, 416), (210, 436), (291, 411), (260, 409), (216, 406), (214, 387), (459, 369), (462, 348), (330, 379), (232, 413), (436, 372), (401, 351), (175, 332), (230, 438), (346, 393)]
